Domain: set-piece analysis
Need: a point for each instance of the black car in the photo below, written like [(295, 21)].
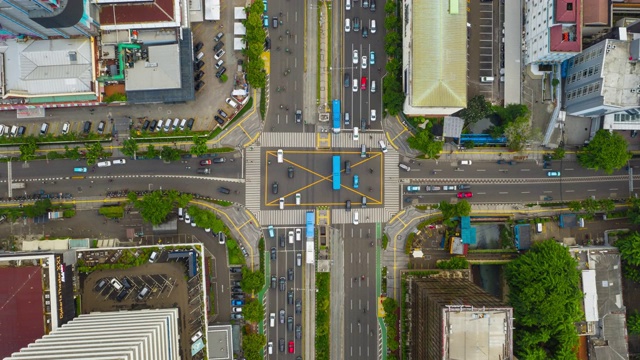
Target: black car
[(190, 123), (199, 75), (282, 283), (219, 119), (221, 72), (145, 125), (372, 5), (236, 289), (347, 167), (126, 283), (235, 269), (290, 274), (363, 124), (199, 85), (222, 113), (123, 294), (237, 296), (365, 32), (152, 127), (219, 160), (218, 46), (298, 306), (198, 47), (274, 187), (21, 130), (198, 65), (281, 345), (224, 190), (290, 172), (347, 205), (282, 243), (289, 323), (87, 127), (347, 80), (267, 43), (273, 253), (290, 297)]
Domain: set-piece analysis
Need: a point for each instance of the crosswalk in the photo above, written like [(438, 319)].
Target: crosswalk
[(253, 177), (365, 216), (282, 217), (392, 176), (289, 140), (345, 140)]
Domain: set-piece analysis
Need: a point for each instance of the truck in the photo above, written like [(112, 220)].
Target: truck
[(432, 188), (449, 188), (17, 186)]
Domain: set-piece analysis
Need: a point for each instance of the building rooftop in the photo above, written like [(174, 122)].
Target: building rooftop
[(476, 333), (219, 345), (48, 67), (597, 13), (160, 71), (620, 79), (131, 13)]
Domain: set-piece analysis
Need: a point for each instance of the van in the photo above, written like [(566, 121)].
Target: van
[(196, 336), (159, 126), (404, 167), (199, 56), (465, 162), (104, 164), (43, 129), (486, 79), (116, 284), (231, 103), (167, 125), (14, 130), (280, 156), (373, 86), (539, 228), (364, 201), (356, 135), (270, 347), (347, 5), (144, 293), (272, 320), (180, 214), (272, 232), (281, 203), (153, 257), (183, 123), (363, 151), (176, 123)]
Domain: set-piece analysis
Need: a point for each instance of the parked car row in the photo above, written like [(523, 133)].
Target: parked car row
[(167, 125), (16, 130)]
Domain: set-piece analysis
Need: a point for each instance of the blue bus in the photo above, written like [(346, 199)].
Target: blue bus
[(310, 224), (336, 116), (336, 172)]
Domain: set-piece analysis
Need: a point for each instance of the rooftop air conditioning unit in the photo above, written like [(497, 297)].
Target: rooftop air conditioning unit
[(633, 91)]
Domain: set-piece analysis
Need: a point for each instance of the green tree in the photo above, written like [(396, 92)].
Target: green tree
[(477, 108), (169, 154), (184, 199), (133, 197), (590, 206), (457, 262), (544, 291), (39, 208), (391, 42), (424, 141), (633, 323), (28, 149), (392, 95), (511, 112), (129, 147), (95, 151), (253, 311), (252, 346), (463, 208), (155, 206), (518, 132), (558, 153), (199, 145), (391, 23), (390, 7), (152, 152), (606, 205), (252, 281), (575, 205), (72, 153), (629, 246), (606, 151)]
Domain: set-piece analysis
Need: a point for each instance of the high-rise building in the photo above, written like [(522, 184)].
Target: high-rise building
[(46, 19), (456, 319), (132, 335)]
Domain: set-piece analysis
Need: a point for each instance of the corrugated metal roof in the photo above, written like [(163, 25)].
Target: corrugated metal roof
[(439, 54)]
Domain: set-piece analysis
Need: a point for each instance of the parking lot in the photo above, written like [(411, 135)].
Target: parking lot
[(57, 128), (312, 178), (485, 49)]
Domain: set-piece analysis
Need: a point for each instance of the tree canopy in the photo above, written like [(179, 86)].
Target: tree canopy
[(546, 298), (155, 206), (252, 346), (169, 154), (28, 149), (253, 311), (607, 151), (95, 151), (477, 108), (199, 145), (252, 281), (425, 141), (39, 208), (129, 147), (629, 246)]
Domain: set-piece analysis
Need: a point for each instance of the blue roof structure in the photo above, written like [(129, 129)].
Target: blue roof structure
[(467, 233), (192, 264)]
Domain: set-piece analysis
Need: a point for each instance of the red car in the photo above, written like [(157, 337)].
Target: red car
[(205, 162), (363, 83), (292, 348), (463, 195)]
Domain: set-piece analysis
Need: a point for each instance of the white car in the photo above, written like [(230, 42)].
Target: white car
[(290, 237), (119, 162), (237, 309), (298, 234), (356, 221), (355, 85), (187, 218), (364, 62), (373, 26), (219, 54), (373, 115), (383, 147), (347, 25), (355, 57)]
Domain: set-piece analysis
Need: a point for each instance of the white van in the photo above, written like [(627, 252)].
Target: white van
[(180, 214), (199, 56), (232, 103), (280, 156), (14, 130), (298, 198), (486, 79), (373, 86), (183, 123), (404, 167), (104, 164), (298, 234), (272, 320), (159, 126), (356, 135), (281, 203), (539, 227), (270, 347), (465, 162), (43, 129), (116, 284), (347, 25)]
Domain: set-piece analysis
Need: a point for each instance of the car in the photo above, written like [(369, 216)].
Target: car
[(145, 125), (274, 22), (267, 43), (218, 64), (347, 167), (264, 2), (365, 4), (101, 126), (274, 187), (235, 270), (413, 188), (356, 218), (199, 85), (238, 296), (347, 205), (347, 25), (553, 173), (198, 76), (270, 347), (372, 58), (383, 146), (450, 187), (298, 331), (190, 123), (356, 181), (356, 24), (364, 62), (363, 83), (265, 21), (373, 26), (355, 57), (274, 281), (86, 129), (299, 259), (80, 169), (372, 6), (221, 72), (289, 323), (355, 85), (290, 274), (203, 171), (218, 119), (218, 46), (198, 47), (373, 86), (222, 113), (290, 297), (291, 347), (298, 306), (347, 119), (290, 172), (152, 126), (236, 316), (298, 116), (273, 253), (290, 235), (298, 234), (237, 302), (282, 315), (219, 54), (373, 115), (236, 309), (281, 345), (347, 80), (218, 37), (205, 162), (198, 65), (282, 283), (465, 194), (65, 128), (347, 5), (365, 32), (281, 203), (219, 160), (464, 187), (21, 130), (272, 232)]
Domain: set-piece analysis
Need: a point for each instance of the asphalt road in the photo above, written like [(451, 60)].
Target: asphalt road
[(277, 299), (290, 95), (360, 322), (360, 103)]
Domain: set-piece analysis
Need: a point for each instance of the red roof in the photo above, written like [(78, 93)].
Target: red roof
[(566, 35), (135, 13), (21, 308)]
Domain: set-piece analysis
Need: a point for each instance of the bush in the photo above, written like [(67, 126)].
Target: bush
[(457, 262), (112, 212), (69, 213), (385, 241), (408, 246)]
